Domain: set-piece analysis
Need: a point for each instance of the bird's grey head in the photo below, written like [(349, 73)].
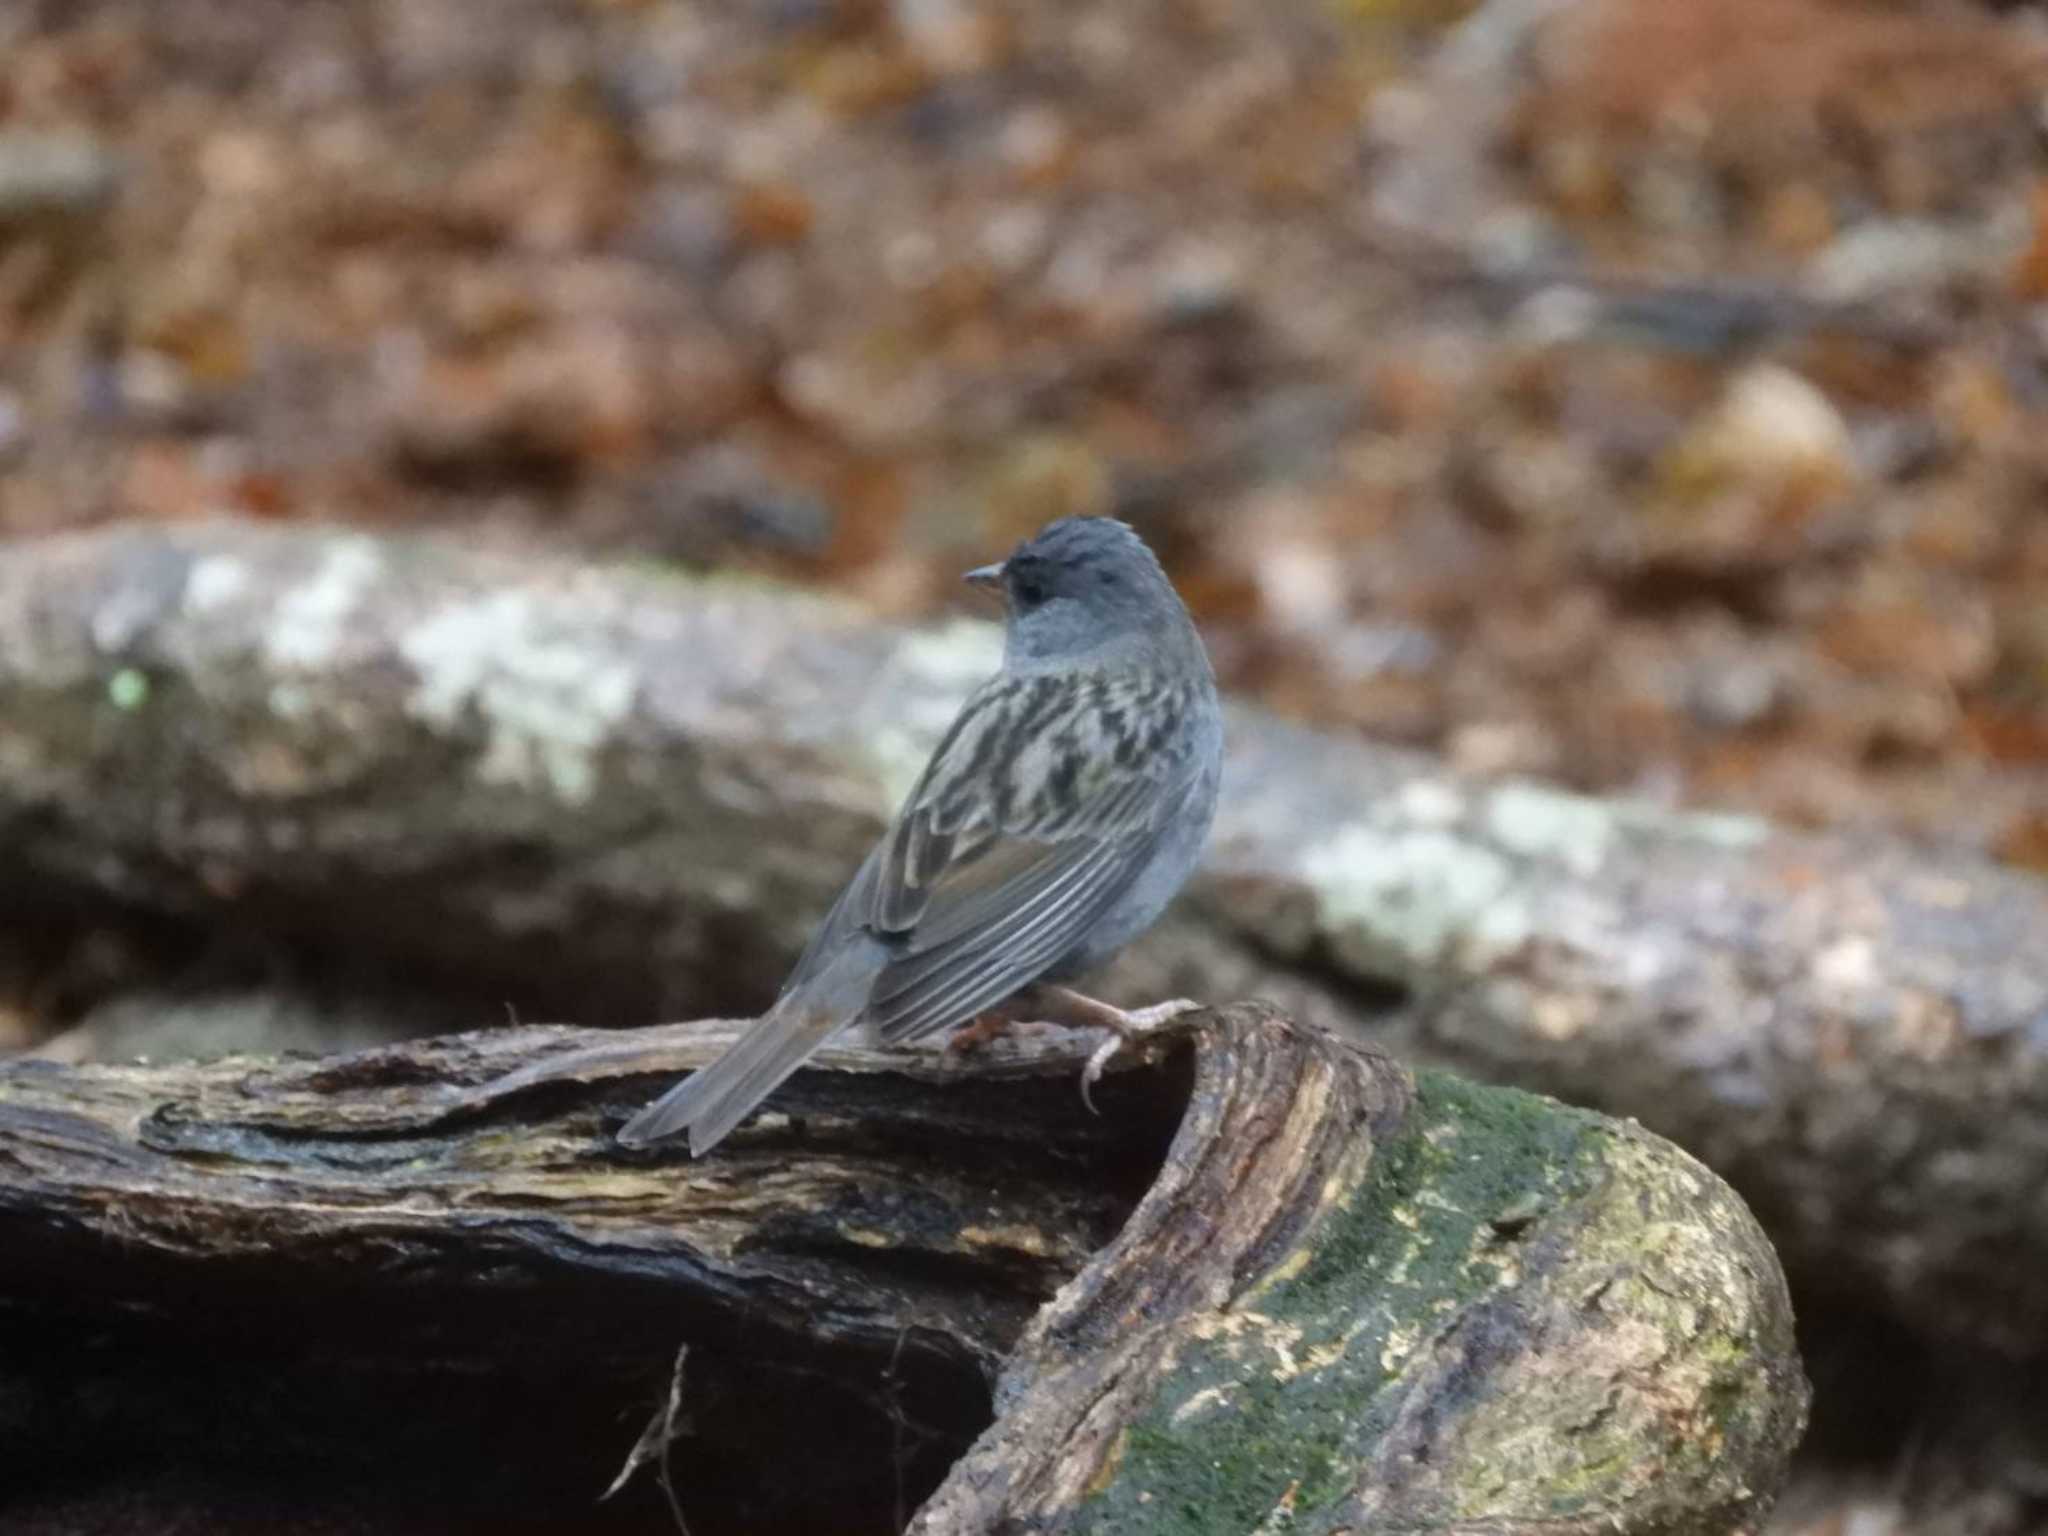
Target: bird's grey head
[(1085, 585)]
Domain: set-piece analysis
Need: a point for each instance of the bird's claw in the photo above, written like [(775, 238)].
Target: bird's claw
[(1129, 1026), (1092, 1073)]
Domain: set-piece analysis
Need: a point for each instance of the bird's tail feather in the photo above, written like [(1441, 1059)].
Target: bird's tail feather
[(711, 1101)]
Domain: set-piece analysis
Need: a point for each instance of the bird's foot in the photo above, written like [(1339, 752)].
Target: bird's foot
[(1079, 1011)]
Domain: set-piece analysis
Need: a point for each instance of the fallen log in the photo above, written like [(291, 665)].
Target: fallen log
[(629, 795), (1278, 1278)]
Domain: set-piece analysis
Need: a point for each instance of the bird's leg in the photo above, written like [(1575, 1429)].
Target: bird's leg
[(985, 1028), (1063, 1005), (1044, 1003)]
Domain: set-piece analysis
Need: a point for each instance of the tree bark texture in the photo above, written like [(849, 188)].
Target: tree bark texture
[(1277, 1280), (628, 794)]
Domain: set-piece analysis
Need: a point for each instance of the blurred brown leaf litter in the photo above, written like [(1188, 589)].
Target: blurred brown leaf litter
[(853, 292)]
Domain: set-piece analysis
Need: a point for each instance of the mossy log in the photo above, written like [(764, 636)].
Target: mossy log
[(1277, 1279), (626, 795)]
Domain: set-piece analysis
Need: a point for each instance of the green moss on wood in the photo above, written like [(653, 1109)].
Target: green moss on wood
[(1427, 1313), (1278, 1402), (1686, 1370)]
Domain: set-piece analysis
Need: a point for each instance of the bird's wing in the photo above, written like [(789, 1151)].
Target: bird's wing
[(1036, 813)]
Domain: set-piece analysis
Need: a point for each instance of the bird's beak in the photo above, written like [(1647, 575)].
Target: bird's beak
[(987, 577)]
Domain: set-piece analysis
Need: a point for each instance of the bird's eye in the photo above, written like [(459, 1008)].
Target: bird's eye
[(1028, 591)]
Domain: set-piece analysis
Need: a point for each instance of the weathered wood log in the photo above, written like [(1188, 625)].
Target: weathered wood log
[(1277, 1274), (628, 795)]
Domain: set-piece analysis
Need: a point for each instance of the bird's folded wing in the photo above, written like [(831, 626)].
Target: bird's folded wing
[(1035, 816)]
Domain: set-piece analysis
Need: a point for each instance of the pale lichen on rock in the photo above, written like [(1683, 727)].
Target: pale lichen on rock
[(548, 704), (1401, 896), (214, 582), (311, 619), (918, 692), (1533, 821)]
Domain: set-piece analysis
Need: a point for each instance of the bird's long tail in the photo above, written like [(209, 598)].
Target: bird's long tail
[(711, 1101)]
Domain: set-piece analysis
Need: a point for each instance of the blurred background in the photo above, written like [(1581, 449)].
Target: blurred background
[(1644, 395), (1649, 396)]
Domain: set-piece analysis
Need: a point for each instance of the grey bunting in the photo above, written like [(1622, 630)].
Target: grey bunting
[(1058, 816)]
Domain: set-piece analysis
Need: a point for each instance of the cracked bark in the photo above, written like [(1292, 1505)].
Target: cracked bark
[(1278, 1274)]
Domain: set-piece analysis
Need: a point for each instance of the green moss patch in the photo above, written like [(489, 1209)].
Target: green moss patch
[(1269, 1409)]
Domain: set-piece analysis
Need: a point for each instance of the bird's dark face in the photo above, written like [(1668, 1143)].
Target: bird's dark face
[(1082, 584)]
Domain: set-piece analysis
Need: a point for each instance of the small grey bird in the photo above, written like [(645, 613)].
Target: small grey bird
[(1056, 819)]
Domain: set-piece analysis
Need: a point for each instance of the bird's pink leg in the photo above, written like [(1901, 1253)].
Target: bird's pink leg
[(1063, 1005), (1048, 1003), (985, 1028)]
